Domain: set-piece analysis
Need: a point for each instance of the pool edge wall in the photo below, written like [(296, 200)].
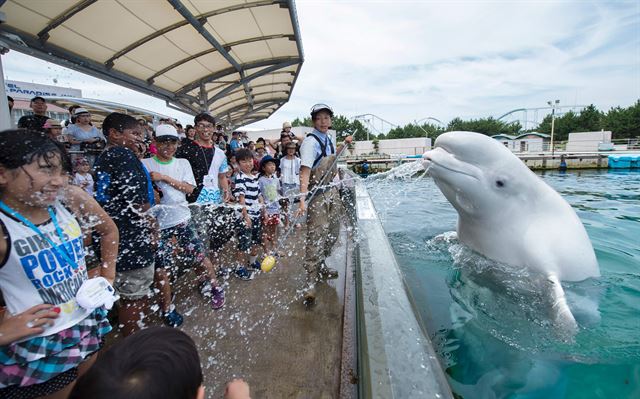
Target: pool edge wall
[(396, 358)]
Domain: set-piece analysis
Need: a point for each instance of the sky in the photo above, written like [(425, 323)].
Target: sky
[(406, 61)]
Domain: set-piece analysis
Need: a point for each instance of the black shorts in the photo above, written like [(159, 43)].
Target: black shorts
[(215, 224), (135, 250), (248, 237)]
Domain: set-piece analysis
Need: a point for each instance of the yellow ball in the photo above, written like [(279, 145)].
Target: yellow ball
[(268, 263)]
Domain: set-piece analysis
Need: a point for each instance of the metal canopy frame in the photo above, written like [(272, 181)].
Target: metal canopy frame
[(192, 97), (103, 107)]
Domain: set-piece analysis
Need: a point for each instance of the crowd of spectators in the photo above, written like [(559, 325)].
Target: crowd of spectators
[(175, 197)]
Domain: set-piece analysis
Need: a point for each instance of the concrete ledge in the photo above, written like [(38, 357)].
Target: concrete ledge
[(396, 357)]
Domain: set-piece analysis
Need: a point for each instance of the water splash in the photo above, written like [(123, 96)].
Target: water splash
[(402, 171)]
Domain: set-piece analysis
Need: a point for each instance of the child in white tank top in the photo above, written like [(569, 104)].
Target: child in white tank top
[(44, 334)]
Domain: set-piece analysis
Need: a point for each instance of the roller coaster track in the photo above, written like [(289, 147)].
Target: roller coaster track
[(525, 121), (374, 123)]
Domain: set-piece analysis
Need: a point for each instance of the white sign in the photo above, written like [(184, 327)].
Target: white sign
[(26, 90)]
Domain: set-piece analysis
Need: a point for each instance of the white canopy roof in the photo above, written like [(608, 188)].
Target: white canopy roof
[(238, 59)]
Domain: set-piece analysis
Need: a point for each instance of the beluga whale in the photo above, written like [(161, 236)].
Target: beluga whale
[(508, 214)]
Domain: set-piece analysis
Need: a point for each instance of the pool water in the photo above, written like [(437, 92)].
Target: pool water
[(487, 322)]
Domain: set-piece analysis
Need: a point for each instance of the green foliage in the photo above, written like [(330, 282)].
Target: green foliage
[(341, 124), (590, 119), (488, 126), (412, 130), (359, 131), (306, 121), (622, 122), (376, 145)]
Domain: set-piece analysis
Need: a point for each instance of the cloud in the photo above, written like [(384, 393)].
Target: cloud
[(407, 60)]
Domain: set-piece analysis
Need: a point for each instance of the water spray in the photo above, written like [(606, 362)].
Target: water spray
[(270, 261)]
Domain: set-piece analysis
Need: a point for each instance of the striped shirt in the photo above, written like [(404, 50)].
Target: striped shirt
[(247, 185)]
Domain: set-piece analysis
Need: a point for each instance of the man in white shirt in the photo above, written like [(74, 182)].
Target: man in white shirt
[(317, 154)]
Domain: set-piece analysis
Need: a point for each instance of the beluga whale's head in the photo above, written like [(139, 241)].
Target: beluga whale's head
[(477, 174)]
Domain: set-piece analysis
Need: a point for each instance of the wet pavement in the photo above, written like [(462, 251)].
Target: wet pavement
[(265, 335)]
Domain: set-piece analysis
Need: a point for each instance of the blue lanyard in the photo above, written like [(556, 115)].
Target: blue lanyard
[(60, 249)]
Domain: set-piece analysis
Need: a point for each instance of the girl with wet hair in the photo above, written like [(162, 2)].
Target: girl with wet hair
[(46, 338)]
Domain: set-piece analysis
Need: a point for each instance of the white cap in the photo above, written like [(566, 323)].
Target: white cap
[(286, 124), (79, 111), (167, 131)]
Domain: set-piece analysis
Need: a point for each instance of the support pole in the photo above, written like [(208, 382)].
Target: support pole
[(6, 121)]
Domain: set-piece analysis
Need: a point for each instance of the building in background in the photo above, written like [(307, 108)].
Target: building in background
[(591, 142), (525, 142), (23, 92)]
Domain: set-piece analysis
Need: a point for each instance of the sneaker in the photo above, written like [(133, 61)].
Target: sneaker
[(217, 299), (173, 318), (204, 287), (327, 273), (255, 265), (221, 272), (243, 274)]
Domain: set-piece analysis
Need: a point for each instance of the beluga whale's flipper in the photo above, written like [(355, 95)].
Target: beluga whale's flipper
[(561, 315)]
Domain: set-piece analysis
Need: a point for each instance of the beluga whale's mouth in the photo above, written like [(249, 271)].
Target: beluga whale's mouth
[(441, 158)]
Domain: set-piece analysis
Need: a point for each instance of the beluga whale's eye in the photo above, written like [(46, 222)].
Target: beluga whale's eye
[(500, 183)]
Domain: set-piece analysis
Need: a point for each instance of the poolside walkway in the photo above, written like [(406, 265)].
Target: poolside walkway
[(265, 335)]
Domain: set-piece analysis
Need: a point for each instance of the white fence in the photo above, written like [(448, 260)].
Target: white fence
[(411, 146)]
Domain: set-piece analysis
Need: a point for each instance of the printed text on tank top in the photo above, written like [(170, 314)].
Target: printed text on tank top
[(60, 249)]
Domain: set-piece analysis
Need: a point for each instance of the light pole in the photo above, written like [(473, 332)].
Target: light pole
[(367, 121), (553, 120)]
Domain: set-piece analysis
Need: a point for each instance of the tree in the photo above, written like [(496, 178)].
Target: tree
[(488, 126), (624, 123), (563, 125), (590, 119), (341, 125), (412, 130), (360, 132), (306, 121)]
